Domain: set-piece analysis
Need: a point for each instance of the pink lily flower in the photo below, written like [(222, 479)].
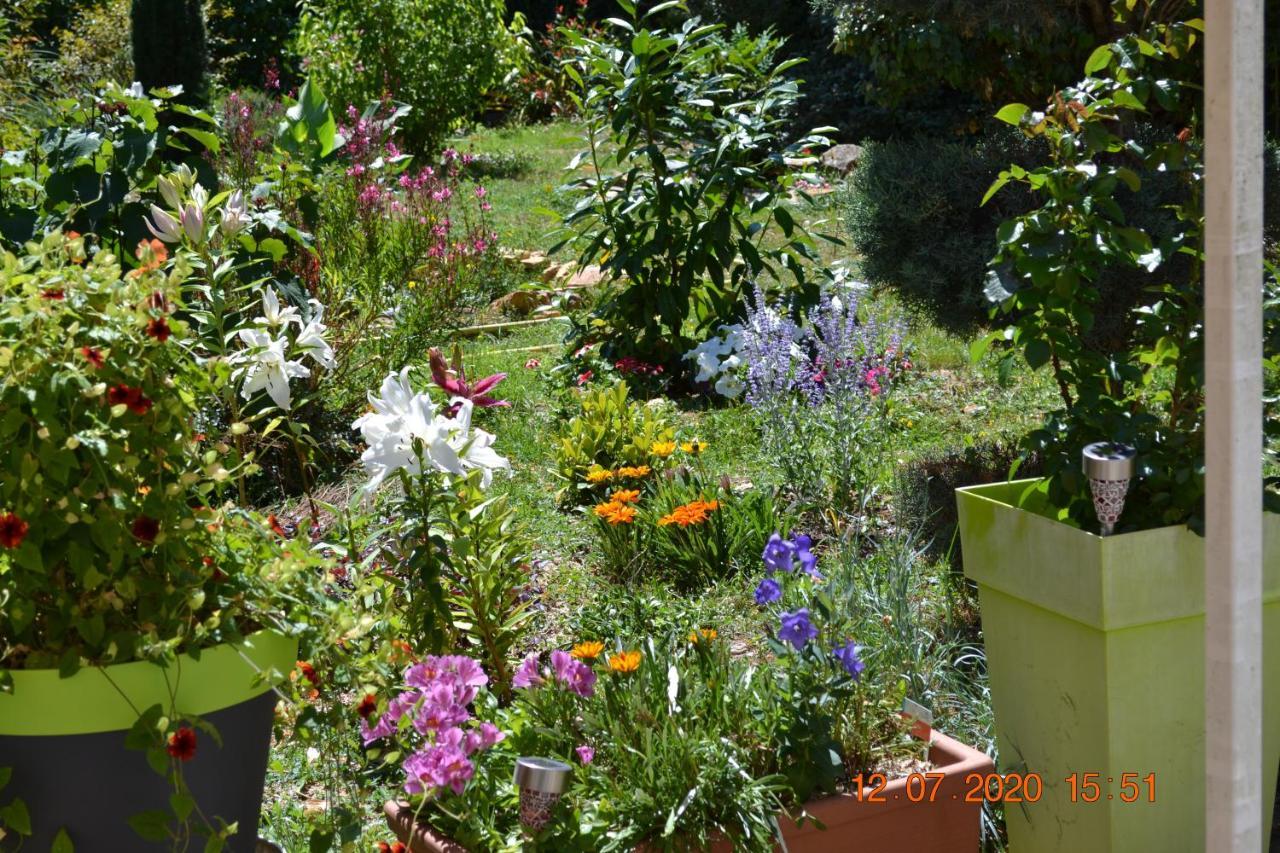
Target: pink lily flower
[(453, 379)]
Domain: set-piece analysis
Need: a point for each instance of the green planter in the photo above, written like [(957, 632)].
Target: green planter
[(1095, 653), (63, 740)]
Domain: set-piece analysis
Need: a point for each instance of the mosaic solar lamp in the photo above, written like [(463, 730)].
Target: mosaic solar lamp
[(1109, 467), (541, 782)]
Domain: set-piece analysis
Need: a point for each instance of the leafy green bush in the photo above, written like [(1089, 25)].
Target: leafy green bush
[(912, 212), (249, 42), (112, 547), (170, 48), (609, 431), (694, 124), (97, 46), (440, 56)]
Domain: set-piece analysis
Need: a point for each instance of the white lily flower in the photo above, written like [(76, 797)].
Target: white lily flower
[(273, 315), (473, 447), (267, 367), (192, 216), (311, 339), (200, 196), (163, 226), (729, 385), (235, 214), (169, 191)]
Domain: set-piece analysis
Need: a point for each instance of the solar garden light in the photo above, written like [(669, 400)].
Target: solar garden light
[(541, 782), (1109, 467)]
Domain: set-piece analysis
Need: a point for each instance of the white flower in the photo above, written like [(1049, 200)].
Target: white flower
[(273, 315), (235, 214), (135, 90), (400, 418), (169, 191), (311, 339), (163, 225), (731, 362), (313, 755), (192, 216), (729, 385), (267, 368), (732, 337)]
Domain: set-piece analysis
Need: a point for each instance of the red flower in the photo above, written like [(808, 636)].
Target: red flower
[(12, 530), (585, 377), (133, 398), (54, 293), (159, 329), (309, 673), (93, 355), (145, 529), (1184, 135), (276, 528), (367, 706), (182, 744)]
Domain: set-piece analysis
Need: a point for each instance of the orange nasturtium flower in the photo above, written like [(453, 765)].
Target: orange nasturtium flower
[(625, 496), (695, 512), (625, 661), (589, 650), (662, 449)]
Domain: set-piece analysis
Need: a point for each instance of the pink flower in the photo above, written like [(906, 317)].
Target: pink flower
[(454, 382), (585, 754), (575, 675), (528, 675), (532, 364)]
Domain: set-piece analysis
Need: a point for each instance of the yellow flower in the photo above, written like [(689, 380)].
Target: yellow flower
[(703, 635), (662, 449), (624, 661), (633, 471), (598, 475), (625, 496), (694, 447), (589, 650)]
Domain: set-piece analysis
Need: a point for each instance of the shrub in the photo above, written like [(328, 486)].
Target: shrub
[(697, 204), (97, 46), (115, 546), (249, 42), (609, 431), (440, 56), (913, 215), (169, 47)]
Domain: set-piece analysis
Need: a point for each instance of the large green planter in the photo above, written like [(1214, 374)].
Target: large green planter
[(1095, 654), (63, 740)]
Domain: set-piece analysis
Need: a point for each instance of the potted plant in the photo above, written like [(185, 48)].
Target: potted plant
[(142, 622), (678, 744), (1095, 644)]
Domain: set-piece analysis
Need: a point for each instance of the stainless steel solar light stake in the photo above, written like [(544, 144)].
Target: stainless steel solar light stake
[(1109, 467), (541, 782)]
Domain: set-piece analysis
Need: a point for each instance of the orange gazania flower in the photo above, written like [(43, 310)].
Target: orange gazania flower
[(703, 635), (695, 512), (615, 513), (633, 471), (662, 449), (625, 496), (625, 661), (590, 650), (597, 476)]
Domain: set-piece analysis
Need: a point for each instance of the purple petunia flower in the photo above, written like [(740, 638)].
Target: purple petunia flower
[(848, 655), (779, 554), (768, 592), (796, 628), (585, 754)]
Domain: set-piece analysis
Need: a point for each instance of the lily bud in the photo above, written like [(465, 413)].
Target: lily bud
[(163, 226)]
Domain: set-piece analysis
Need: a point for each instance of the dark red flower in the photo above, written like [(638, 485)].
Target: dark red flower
[(1184, 135), (384, 847), (93, 355), (309, 673), (454, 382), (12, 530), (398, 847), (55, 293), (367, 706), (145, 529), (159, 329), (182, 744), (132, 398)]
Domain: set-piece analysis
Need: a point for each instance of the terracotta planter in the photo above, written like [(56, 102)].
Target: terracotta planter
[(943, 822)]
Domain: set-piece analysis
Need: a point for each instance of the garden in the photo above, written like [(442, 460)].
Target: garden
[(468, 425)]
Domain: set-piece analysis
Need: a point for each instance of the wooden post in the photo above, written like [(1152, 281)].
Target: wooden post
[(1233, 430)]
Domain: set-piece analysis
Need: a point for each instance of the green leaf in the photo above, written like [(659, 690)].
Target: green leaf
[(182, 805), (204, 137), (1013, 113), (62, 843), (6, 773), (152, 825), (979, 348), (15, 817), (1037, 353), (1098, 60)]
